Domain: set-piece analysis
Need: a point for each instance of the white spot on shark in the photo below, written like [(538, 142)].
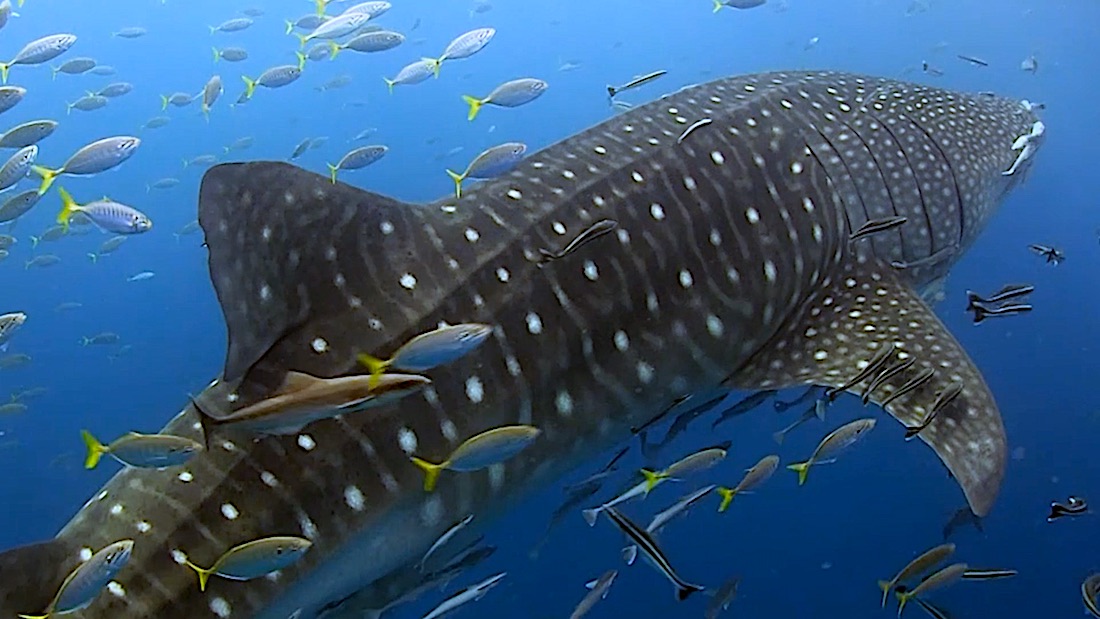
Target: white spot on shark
[(474, 389), (306, 442), (143, 526), (534, 323), (503, 275), (353, 496), (230, 511), (406, 438), (185, 477), (622, 342), (685, 278), (269, 479), (472, 235), (590, 270), (178, 556), (116, 509), (86, 553), (564, 403), (408, 281), (657, 211), (319, 345), (220, 607), (431, 511), (116, 589)]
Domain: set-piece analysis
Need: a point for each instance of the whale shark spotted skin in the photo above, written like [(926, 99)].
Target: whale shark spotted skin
[(729, 265)]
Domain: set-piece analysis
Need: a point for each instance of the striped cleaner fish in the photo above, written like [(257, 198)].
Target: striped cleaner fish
[(729, 266)]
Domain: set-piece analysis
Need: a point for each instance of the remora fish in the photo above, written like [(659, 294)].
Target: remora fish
[(718, 289)]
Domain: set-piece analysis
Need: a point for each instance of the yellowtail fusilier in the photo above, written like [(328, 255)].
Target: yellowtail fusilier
[(81, 587), (232, 25), (942, 578), (106, 338), (492, 162), (18, 205), (210, 94), (176, 99), (75, 66), (630, 553), (310, 21), (45, 260), (116, 89), (358, 159), (432, 349), (635, 83), (368, 43), (372, 9), (412, 73), (737, 4), (275, 77), (38, 51), (11, 96), (99, 156), (16, 167), (31, 132), (479, 452), (230, 54), (147, 451), (304, 399), (652, 553), (835, 442), (108, 215), (637, 490), (688, 465), (598, 590), (509, 94), (5, 12), (87, 103), (335, 28), (926, 561), (1089, 590), (254, 559), (758, 474), (472, 593), (464, 46)]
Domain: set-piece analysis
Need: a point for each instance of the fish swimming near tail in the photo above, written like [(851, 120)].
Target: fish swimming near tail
[(730, 265)]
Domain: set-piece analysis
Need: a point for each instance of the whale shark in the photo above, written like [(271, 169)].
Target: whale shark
[(731, 264)]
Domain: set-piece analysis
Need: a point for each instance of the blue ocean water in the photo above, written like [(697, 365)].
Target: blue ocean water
[(814, 551)]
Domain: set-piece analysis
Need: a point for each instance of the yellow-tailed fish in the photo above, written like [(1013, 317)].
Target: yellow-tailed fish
[(492, 162), (87, 580), (357, 159), (942, 578), (99, 156), (464, 46), (254, 559), (835, 442), (758, 474), (432, 349), (480, 451), (509, 94), (108, 215), (153, 451), (926, 561), (688, 465)]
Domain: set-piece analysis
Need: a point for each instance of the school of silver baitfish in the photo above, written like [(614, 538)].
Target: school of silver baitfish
[(226, 418)]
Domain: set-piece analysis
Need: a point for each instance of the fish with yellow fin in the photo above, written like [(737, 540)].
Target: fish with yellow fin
[(430, 350)]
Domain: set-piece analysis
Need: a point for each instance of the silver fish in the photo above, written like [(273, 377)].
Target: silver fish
[(598, 591), (38, 51), (509, 94), (357, 159), (17, 166), (99, 156), (635, 83), (472, 593), (28, 133), (11, 96)]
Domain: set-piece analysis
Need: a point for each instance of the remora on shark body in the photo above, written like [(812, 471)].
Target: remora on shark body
[(730, 263)]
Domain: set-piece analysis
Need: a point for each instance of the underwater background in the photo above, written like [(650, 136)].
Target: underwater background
[(811, 551)]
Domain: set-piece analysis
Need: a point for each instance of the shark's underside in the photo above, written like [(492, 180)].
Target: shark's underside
[(730, 264)]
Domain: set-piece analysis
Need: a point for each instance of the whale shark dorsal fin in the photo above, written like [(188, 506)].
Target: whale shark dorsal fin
[(862, 308)]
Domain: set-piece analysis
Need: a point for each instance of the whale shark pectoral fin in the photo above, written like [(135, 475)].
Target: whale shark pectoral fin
[(33, 573), (845, 326)]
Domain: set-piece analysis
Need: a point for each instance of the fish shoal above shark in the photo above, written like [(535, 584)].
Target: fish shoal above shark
[(730, 264)]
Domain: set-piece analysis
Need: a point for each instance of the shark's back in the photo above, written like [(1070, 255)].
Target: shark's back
[(730, 264)]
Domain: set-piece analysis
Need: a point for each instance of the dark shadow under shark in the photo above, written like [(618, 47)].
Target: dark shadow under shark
[(730, 265)]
